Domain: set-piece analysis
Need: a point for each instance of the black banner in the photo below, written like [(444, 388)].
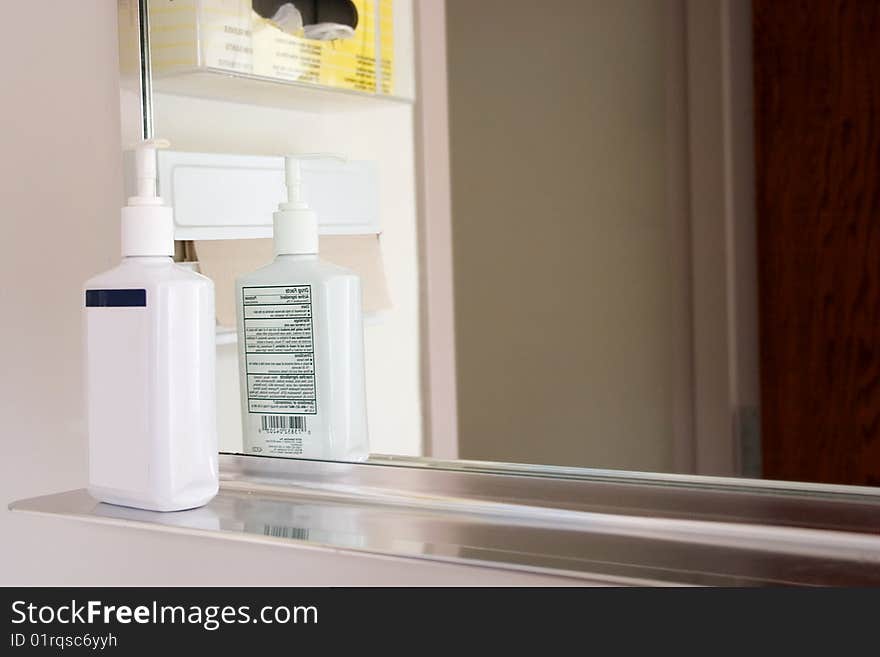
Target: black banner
[(148, 620)]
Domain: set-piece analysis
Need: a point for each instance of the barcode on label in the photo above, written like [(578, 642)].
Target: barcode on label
[(286, 532), (282, 423)]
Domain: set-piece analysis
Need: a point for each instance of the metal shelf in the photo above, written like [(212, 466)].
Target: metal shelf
[(220, 84), (590, 527)]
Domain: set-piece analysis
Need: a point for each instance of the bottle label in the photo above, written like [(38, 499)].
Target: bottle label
[(123, 298), (279, 353)]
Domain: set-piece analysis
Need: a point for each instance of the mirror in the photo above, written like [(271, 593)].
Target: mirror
[(629, 235)]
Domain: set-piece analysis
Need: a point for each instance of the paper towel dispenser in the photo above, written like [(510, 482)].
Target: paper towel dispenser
[(223, 196)]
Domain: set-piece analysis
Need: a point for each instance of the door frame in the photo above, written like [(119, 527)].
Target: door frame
[(434, 203), (722, 215)]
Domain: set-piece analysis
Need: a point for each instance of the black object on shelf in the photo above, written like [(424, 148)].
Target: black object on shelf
[(313, 12)]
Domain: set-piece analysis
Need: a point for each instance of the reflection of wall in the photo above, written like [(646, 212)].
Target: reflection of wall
[(562, 278)]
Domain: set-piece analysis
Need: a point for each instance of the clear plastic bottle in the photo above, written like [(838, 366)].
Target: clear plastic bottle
[(301, 351)]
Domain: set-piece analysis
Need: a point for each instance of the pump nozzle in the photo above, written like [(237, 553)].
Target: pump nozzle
[(293, 178), (295, 225), (147, 225), (145, 171)]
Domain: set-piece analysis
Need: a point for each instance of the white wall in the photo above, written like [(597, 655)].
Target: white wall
[(561, 231), (60, 182)]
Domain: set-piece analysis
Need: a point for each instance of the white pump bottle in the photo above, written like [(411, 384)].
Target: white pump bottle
[(150, 352), (301, 349)]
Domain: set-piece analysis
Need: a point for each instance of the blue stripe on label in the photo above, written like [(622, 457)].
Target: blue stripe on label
[(115, 298)]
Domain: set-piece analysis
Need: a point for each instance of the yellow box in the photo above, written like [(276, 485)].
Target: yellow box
[(228, 35)]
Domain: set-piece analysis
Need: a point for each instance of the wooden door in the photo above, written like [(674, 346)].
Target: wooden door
[(817, 139)]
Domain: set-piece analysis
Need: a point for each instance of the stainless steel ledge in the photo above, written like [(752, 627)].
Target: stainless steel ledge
[(587, 524)]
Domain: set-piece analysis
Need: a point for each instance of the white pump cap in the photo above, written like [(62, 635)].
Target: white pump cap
[(147, 225), (295, 226)]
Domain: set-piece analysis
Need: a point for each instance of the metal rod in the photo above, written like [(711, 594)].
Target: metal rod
[(146, 70)]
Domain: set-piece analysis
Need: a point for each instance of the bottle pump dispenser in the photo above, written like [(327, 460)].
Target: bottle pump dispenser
[(150, 352), (301, 349)]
